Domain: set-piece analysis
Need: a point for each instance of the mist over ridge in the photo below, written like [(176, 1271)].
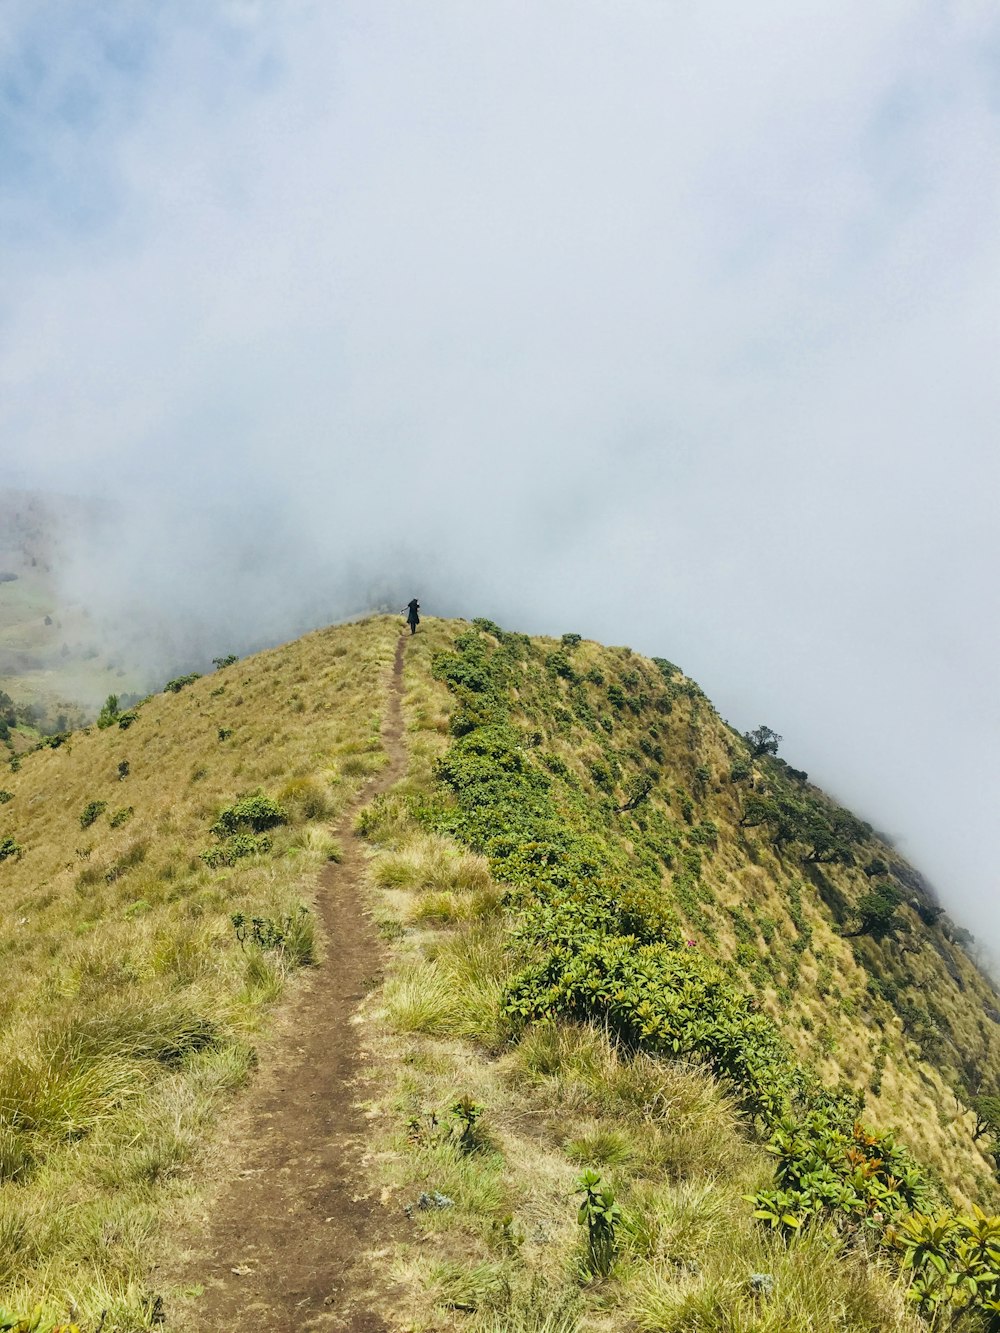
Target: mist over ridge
[(672, 329)]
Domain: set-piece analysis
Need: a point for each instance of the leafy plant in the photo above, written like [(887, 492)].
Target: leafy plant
[(180, 682), (235, 848), (221, 662), (467, 1114), (987, 1111), (667, 669), (123, 770), (560, 665), (825, 1167), (110, 713), (8, 847), (292, 935), (91, 812), (255, 812), (601, 1215), (126, 719), (121, 816), (5, 796), (762, 740), (954, 1262), (876, 910)]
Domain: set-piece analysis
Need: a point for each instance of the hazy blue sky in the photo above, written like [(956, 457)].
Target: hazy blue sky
[(674, 324)]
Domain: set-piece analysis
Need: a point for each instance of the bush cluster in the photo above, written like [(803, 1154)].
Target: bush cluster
[(241, 829)]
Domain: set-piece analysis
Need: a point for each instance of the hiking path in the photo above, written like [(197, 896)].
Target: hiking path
[(289, 1239)]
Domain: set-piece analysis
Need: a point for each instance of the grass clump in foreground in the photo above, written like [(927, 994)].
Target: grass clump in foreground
[(610, 1026), (137, 1003)]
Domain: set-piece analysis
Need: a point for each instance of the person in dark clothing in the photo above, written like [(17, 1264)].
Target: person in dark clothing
[(412, 617)]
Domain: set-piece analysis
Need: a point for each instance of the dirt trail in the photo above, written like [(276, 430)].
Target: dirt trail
[(296, 1216)]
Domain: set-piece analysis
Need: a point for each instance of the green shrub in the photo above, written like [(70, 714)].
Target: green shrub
[(664, 999), (559, 665), (594, 940), (126, 719), (110, 713), (34, 1321), (254, 813), (705, 834), (827, 1163), (91, 812), (120, 817), (220, 663), (571, 641), (5, 796), (666, 669), (8, 848), (469, 1134), (292, 935), (179, 682), (953, 1262), (235, 848), (601, 1216), (876, 910)]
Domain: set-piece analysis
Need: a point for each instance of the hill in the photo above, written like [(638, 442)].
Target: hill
[(623, 939), (53, 664)]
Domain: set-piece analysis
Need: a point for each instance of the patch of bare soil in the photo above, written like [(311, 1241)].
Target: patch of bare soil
[(294, 1234)]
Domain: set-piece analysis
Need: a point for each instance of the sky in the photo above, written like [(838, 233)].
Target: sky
[(673, 324)]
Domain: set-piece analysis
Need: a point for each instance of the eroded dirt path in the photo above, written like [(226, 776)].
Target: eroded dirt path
[(288, 1243)]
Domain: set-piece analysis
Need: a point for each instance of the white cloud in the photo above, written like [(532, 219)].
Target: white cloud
[(669, 323)]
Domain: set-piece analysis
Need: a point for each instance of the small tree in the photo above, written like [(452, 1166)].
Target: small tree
[(987, 1111), (110, 713), (762, 740), (756, 810), (637, 791), (876, 911)]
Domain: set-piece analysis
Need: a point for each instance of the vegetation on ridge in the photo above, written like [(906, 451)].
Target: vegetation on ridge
[(607, 799)]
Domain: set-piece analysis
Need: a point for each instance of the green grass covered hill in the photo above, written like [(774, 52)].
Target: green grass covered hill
[(680, 1043)]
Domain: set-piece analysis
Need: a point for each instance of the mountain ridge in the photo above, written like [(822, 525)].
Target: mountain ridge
[(564, 802)]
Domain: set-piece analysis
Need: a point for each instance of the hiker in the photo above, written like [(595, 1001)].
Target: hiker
[(412, 618)]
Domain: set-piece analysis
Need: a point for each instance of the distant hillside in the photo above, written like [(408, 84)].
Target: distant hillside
[(52, 661), (667, 1039)]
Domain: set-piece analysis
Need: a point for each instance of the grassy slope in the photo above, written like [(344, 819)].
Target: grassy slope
[(128, 1007), (561, 1098), (744, 893)]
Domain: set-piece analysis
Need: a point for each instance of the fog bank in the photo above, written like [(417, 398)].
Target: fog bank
[(668, 325)]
